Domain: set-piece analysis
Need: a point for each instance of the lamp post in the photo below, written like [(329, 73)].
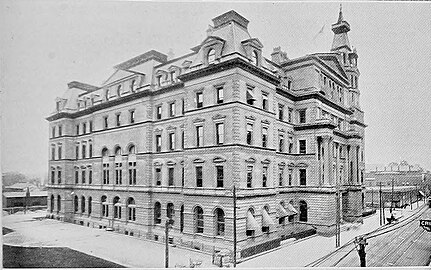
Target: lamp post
[(168, 225)]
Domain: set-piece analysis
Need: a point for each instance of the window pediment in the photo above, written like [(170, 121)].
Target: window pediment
[(212, 40), (198, 160), (302, 165), (250, 117), (282, 164), (265, 121), (158, 130), (157, 164), (219, 160), (198, 120), (170, 163), (171, 128), (266, 161), (219, 117), (250, 160)]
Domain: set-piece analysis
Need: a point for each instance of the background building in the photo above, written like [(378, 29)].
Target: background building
[(169, 138)]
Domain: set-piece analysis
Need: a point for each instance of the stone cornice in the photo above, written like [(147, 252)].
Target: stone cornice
[(229, 64), (114, 102)]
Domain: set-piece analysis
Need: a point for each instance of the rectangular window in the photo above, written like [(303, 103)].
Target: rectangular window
[(199, 100), (173, 76), (290, 145), (159, 80), (290, 176), (52, 152), (249, 176), (118, 173), (250, 96), (90, 177), (60, 130), (84, 150), (132, 173), (302, 177), (83, 176), (198, 176), (182, 139), (171, 141), (77, 152), (158, 143), (302, 146), (280, 112), (220, 176), (59, 177), (264, 137), (90, 150), (280, 177), (249, 134), (118, 122), (199, 136), (183, 105), (59, 152), (158, 176), (170, 176), (219, 133), (281, 143), (302, 116), (105, 122), (84, 128), (76, 176), (132, 117), (159, 112), (90, 126), (106, 173), (265, 102), (53, 132), (77, 129), (182, 176), (172, 109), (290, 115), (52, 177), (264, 176), (220, 95)]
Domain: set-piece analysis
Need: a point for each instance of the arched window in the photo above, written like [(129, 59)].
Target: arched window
[(132, 149), (117, 207), (52, 204), (199, 219), (58, 204), (105, 152), (157, 213), (75, 203), (255, 58), (219, 222), (119, 90), (182, 218), (118, 151), (211, 56), (252, 224), (107, 94), (82, 204), (133, 86), (104, 206), (170, 212), (131, 209), (132, 165), (303, 216)]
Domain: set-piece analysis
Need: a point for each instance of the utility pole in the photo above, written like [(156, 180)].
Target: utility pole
[(372, 198), (380, 203), (411, 203), (168, 223), (337, 217), (234, 225), (392, 195), (417, 197), (360, 243)]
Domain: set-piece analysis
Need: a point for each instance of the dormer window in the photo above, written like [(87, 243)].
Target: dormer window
[(159, 80), (119, 90), (255, 58), (107, 94), (211, 56), (133, 86), (173, 76)]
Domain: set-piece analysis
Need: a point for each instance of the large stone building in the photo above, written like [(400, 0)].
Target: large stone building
[(171, 137)]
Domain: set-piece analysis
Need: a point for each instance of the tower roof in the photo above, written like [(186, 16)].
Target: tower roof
[(340, 29)]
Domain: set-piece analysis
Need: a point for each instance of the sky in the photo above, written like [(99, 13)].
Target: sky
[(46, 44)]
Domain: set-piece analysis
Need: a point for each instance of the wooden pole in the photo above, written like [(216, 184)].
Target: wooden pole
[(234, 225), (380, 203)]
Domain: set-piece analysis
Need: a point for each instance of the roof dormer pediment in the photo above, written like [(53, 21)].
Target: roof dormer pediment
[(212, 40)]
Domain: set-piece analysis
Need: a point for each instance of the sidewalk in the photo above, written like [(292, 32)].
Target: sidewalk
[(304, 252), (118, 248)]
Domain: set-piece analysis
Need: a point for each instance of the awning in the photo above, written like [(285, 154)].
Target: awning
[(251, 222), (266, 219), (281, 212), (421, 193), (291, 210)]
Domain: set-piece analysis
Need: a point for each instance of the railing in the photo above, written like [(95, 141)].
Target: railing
[(13, 210)]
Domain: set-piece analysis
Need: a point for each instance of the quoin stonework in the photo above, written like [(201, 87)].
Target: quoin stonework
[(169, 137)]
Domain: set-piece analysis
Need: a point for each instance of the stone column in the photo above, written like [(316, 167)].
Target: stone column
[(355, 164), (326, 160)]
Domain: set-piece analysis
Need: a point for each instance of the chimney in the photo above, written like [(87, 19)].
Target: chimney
[(278, 56), (230, 16)]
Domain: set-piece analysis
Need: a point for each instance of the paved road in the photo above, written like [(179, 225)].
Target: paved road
[(404, 244)]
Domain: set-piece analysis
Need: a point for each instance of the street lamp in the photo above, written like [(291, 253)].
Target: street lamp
[(168, 225)]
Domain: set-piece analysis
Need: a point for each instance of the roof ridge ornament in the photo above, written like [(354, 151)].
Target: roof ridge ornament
[(340, 14)]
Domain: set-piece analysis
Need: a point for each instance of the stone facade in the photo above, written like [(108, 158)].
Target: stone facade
[(171, 137)]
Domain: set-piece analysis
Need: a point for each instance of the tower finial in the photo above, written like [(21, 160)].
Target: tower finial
[(340, 15)]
